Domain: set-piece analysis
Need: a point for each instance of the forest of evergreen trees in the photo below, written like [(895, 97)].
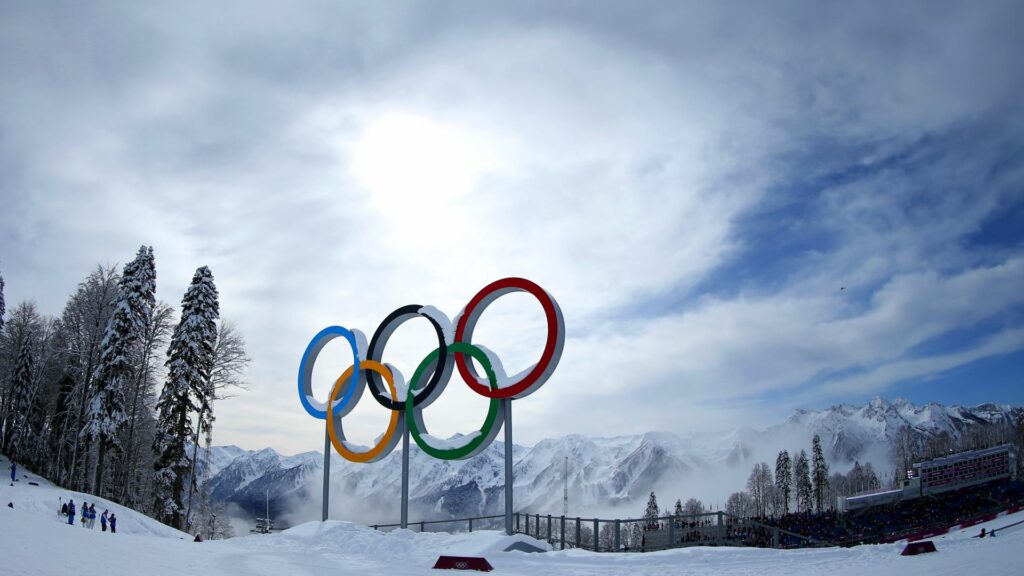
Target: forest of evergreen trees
[(116, 394)]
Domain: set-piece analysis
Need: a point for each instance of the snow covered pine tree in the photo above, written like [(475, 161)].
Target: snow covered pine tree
[(21, 382), (819, 474), (189, 359), (651, 513), (783, 480), (106, 412), (802, 478)]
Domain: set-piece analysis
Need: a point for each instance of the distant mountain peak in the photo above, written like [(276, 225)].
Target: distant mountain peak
[(603, 472)]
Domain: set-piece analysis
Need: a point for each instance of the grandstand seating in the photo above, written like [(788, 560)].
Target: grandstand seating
[(891, 522)]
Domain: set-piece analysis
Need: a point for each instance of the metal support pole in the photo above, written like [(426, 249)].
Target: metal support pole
[(562, 538), (578, 543), (595, 534), (538, 526), (618, 536), (470, 524), (405, 478), (721, 530), (327, 470), (549, 527), (672, 532), (506, 407)]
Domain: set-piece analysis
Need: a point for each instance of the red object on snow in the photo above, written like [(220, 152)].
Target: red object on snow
[(463, 563), (915, 548)]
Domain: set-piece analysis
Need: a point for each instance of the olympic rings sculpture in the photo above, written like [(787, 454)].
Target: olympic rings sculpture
[(452, 350)]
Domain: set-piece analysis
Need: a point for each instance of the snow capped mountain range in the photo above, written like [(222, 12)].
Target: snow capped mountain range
[(604, 475)]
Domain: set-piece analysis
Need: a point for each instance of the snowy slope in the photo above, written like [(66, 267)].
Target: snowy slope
[(44, 501), (36, 543)]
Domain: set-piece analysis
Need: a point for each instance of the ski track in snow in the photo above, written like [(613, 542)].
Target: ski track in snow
[(37, 542)]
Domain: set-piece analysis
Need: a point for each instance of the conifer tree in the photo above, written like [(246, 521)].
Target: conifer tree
[(106, 413), (819, 474), (783, 480), (651, 513), (189, 360), (21, 381), (802, 478), (21, 331)]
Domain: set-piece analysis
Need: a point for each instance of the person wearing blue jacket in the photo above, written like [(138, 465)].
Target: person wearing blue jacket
[(113, 523), (71, 512), (103, 521)]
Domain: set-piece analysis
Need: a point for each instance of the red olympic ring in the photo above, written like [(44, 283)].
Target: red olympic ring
[(540, 372)]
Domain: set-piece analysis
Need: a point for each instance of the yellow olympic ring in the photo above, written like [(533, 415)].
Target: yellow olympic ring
[(381, 449)]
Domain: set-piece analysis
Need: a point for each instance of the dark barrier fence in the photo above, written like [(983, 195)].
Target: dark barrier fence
[(630, 535)]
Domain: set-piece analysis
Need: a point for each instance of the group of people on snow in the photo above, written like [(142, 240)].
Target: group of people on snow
[(89, 516)]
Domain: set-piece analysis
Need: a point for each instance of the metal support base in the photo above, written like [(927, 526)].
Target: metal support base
[(506, 406), (327, 472), (405, 479)]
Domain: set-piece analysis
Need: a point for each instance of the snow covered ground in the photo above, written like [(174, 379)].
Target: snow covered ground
[(35, 541)]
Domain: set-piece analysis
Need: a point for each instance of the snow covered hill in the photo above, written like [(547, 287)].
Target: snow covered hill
[(605, 475), (35, 542), (43, 500)]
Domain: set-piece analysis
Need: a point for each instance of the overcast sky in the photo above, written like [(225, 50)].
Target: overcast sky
[(741, 208)]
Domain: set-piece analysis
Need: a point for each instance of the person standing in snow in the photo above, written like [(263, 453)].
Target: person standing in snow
[(103, 522), (71, 512), (92, 515), (113, 523), (14, 471), (85, 513)]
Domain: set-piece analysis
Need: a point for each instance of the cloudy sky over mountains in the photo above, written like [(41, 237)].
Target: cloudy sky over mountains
[(742, 208)]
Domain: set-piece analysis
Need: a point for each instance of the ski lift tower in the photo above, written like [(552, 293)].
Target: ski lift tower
[(264, 525)]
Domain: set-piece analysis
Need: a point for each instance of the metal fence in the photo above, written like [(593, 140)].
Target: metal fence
[(629, 535)]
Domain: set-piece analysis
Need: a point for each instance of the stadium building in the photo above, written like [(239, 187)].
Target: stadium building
[(939, 475)]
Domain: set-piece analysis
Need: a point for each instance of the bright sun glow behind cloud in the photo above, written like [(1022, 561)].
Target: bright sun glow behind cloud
[(412, 164)]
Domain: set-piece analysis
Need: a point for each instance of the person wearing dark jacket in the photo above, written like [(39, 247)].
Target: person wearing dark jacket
[(113, 523), (103, 521), (71, 512)]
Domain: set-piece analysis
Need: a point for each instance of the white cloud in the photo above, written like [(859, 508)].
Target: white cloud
[(332, 166)]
